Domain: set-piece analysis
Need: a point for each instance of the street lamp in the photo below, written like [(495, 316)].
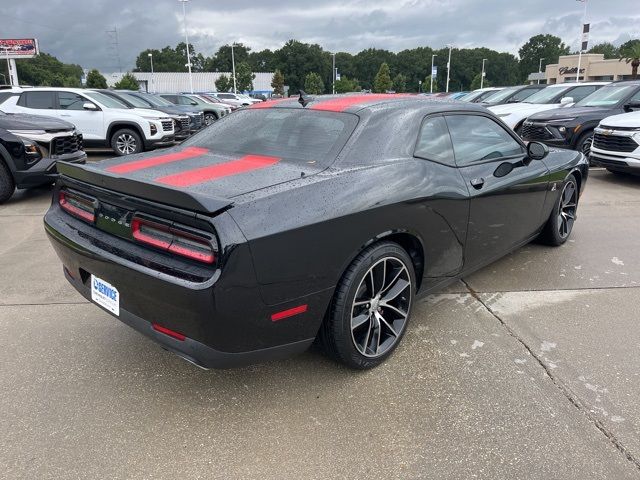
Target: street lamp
[(449, 67), (484, 60), (432, 57), (540, 69), (233, 67), (333, 74), (581, 39), (186, 38), (153, 83)]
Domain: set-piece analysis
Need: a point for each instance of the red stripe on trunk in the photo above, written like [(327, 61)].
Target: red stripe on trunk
[(189, 152), (245, 164), (342, 103)]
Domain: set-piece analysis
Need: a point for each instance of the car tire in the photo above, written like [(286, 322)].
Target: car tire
[(210, 118), (359, 318), (560, 223), (7, 184), (126, 142), (583, 145)]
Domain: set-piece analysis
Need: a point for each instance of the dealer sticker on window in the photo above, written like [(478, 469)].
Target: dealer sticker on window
[(105, 295)]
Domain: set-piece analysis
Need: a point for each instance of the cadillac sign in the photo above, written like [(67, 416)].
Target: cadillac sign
[(18, 48)]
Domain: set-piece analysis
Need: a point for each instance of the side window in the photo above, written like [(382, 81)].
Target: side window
[(522, 94), (4, 96), (476, 138), (39, 100), (634, 98), (434, 142), (71, 101), (171, 98), (579, 93)]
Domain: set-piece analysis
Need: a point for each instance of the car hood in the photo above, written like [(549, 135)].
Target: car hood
[(522, 108), (626, 120), (147, 112), (23, 121), (195, 171), (558, 113)]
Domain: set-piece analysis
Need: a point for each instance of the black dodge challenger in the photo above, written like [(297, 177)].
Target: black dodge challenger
[(292, 220)]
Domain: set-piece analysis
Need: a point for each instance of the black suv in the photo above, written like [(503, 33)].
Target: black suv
[(572, 127), (30, 145), (511, 95)]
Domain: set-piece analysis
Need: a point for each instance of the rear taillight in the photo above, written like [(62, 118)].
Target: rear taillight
[(173, 238), (78, 205)]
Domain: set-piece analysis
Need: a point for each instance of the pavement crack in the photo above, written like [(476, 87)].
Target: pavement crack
[(564, 389)]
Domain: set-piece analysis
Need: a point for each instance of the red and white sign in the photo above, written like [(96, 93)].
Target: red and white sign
[(18, 47)]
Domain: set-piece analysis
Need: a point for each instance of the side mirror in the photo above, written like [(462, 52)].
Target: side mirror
[(193, 102), (566, 101), (632, 105), (537, 150), (89, 106)]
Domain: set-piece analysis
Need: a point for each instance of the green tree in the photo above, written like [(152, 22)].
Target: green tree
[(277, 83), (244, 77), (295, 59), (382, 82), (262, 61), (547, 46), (313, 84), (630, 53), (609, 50), (477, 81), (222, 62), (400, 83), (96, 80), (47, 70), (367, 63), (346, 85), (426, 85), (127, 82), (223, 84), (170, 59)]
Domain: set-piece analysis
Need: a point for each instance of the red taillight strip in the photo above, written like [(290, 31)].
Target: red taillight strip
[(288, 313), (166, 331), (342, 103), (72, 209), (205, 174), (189, 152)]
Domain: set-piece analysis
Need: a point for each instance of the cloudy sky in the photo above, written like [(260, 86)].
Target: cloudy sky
[(76, 30)]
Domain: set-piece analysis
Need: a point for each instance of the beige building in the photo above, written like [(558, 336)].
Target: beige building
[(593, 67)]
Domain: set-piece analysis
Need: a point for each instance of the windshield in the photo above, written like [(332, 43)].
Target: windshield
[(105, 100), (302, 136), (470, 97), (158, 101), (546, 95), (501, 95), (135, 101), (606, 96)]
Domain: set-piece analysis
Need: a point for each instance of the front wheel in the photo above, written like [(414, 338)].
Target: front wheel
[(371, 307), (560, 224), (7, 185), (126, 142), (584, 143), (209, 118)]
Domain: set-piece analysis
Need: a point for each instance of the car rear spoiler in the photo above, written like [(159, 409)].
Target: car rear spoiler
[(177, 198)]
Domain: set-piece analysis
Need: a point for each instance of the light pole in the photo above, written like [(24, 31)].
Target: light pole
[(186, 38), (584, 20), (333, 74), (449, 67), (153, 83), (432, 58), (540, 69), (484, 60), (233, 68)]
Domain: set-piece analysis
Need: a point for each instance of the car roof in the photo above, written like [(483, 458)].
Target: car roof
[(576, 84), (358, 102)]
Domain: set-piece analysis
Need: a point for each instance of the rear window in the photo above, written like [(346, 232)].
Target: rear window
[(304, 136)]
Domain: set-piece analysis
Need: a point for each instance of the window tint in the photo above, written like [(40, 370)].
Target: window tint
[(579, 93), (71, 101), (634, 98), (476, 138), (522, 94), (434, 142), (42, 100), (5, 95)]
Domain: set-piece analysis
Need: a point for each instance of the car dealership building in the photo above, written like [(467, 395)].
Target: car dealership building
[(593, 67)]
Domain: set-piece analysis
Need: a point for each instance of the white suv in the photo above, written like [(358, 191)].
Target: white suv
[(103, 121), (616, 143), (554, 96)]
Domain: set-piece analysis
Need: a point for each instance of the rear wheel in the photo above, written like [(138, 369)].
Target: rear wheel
[(560, 223), (126, 142), (7, 185), (371, 307)]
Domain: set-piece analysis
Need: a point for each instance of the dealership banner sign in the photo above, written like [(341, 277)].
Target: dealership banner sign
[(18, 47)]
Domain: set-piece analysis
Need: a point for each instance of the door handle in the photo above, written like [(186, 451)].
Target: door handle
[(477, 183)]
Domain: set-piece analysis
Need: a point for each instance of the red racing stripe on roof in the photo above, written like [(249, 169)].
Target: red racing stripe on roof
[(128, 167), (245, 164), (342, 103)]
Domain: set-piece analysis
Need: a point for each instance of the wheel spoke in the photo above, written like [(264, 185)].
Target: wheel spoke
[(375, 339), (359, 320), (392, 282), (386, 324), (400, 286), (386, 305)]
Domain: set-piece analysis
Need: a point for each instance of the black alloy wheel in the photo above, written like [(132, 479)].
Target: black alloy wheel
[(560, 224)]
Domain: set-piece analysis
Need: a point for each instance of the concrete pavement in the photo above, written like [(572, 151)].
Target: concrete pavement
[(527, 369)]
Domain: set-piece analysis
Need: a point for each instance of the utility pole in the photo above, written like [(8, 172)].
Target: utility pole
[(449, 67), (153, 83), (233, 68), (484, 60), (333, 73), (186, 39), (115, 45), (581, 40), (432, 58), (540, 69)]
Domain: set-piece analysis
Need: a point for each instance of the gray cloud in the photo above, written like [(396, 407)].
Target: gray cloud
[(75, 31)]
